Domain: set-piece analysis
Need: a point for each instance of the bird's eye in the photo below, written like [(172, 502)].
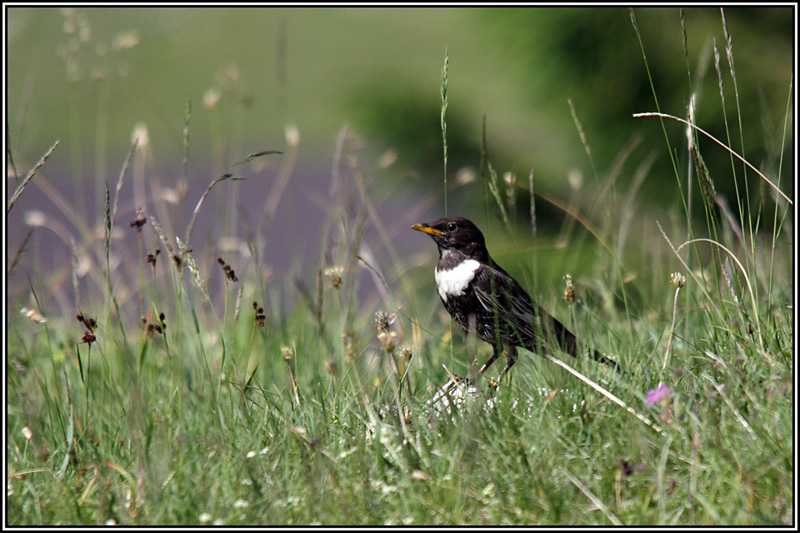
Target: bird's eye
[(452, 226)]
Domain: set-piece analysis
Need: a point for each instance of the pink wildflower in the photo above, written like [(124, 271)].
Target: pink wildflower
[(659, 393)]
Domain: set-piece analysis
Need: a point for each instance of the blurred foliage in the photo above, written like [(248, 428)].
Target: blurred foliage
[(593, 57), (89, 76), (410, 123)]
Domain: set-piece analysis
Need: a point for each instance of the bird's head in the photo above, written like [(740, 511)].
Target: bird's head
[(458, 234)]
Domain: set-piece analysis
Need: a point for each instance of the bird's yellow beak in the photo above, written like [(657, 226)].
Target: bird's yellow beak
[(427, 229)]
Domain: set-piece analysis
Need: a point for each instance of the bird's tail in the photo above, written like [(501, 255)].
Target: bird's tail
[(569, 343)]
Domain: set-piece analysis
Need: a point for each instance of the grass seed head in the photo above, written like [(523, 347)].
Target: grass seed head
[(569, 290)]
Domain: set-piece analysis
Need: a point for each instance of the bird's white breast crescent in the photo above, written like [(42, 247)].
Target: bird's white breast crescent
[(454, 282)]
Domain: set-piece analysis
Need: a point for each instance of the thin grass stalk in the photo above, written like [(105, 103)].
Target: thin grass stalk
[(200, 202), (10, 154), (101, 136), (142, 286), (75, 155), (660, 471), (50, 350), (531, 191), (225, 311), (119, 181), (592, 497), (444, 123), (696, 164), (754, 169), (628, 210), (170, 252), (702, 286), (87, 384), (88, 235), (711, 301), (692, 101), (582, 135), (678, 280), (70, 444), (723, 205), (482, 170), (185, 253), (610, 213), (601, 390), (753, 300), (684, 42), (658, 108), (775, 226), (729, 55), (20, 252), (112, 299), (184, 186), (233, 359), (29, 177), (730, 405), (284, 175), (395, 259), (495, 190)]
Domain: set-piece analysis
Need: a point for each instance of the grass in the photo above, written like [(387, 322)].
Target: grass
[(193, 397)]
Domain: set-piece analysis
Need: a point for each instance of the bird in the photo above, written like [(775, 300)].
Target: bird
[(488, 302)]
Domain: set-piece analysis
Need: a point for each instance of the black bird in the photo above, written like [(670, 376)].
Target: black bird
[(484, 299)]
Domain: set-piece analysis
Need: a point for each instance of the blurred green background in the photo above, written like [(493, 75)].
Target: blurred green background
[(89, 76), (379, 69)]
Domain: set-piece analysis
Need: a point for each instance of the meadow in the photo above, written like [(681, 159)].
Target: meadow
[(186, 387)]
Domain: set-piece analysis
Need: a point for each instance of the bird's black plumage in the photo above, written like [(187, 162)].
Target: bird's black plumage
[(487, 302)]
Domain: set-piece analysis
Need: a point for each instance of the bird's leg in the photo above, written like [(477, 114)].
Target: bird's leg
[(489, 362), (512, 358)]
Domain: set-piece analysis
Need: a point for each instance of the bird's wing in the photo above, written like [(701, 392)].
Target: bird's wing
[(514, 307)]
